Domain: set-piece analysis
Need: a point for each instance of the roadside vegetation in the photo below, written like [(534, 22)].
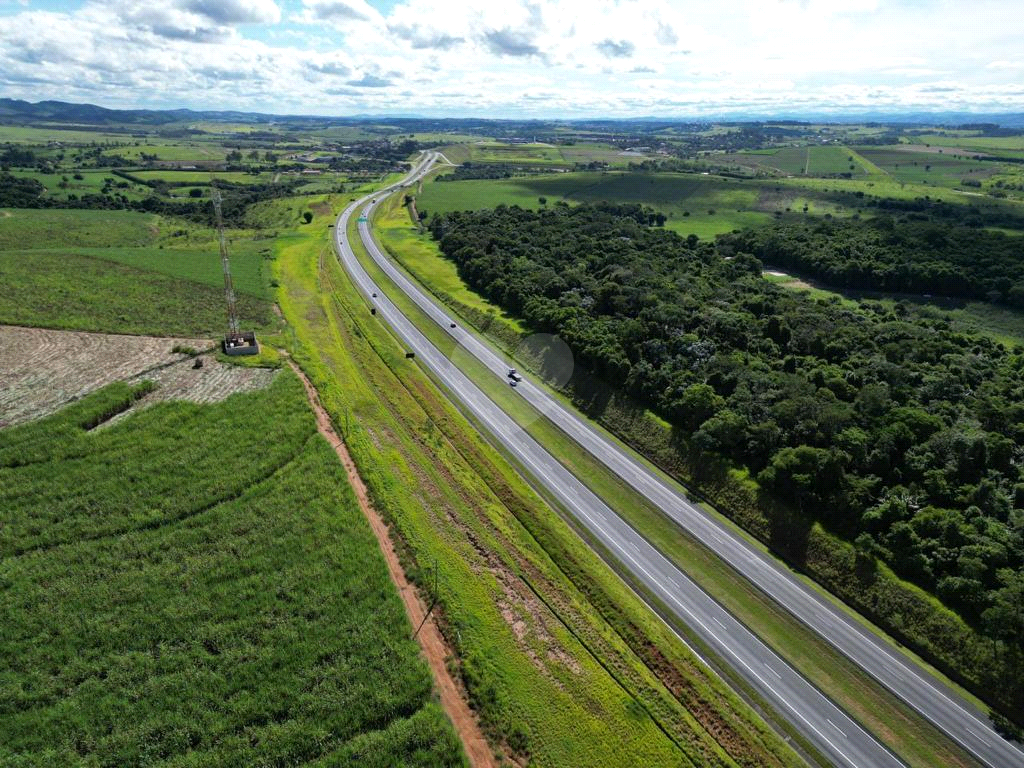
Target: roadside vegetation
[(564, 665), (775, 386), (915, 740)]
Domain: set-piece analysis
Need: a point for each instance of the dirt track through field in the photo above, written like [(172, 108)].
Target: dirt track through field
[(430, 639)]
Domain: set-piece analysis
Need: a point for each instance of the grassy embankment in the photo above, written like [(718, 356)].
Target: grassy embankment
[(180, 590), (560, 659), (914, 739), (126, 272)]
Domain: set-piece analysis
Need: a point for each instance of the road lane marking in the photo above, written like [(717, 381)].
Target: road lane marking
[(836, 727)]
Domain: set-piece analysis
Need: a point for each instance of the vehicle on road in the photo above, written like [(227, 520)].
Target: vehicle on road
[(513, 383)]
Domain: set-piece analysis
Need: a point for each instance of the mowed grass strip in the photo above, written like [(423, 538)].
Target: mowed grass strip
[(73, 292), (259, 630)]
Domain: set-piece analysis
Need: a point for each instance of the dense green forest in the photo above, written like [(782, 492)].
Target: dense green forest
[(885, 423), (913, 253)]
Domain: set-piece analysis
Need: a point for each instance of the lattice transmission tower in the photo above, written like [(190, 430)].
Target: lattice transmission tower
[(235, 341)]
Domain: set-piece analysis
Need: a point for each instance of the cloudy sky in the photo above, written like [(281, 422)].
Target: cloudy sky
[(515, 58)]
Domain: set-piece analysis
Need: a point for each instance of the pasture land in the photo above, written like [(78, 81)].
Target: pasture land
[(169, 246), (791, 161), (500, 152), (60, 133), (564, 156), (694, 203), (832, 160), (810, 161), (173, 150), (1004, 146), (201, 177), (249, 258), (61, 185), (181, 590), (918, 165), (66, 290), (25, 228)]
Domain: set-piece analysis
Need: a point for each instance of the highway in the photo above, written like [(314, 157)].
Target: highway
[(826, 726)]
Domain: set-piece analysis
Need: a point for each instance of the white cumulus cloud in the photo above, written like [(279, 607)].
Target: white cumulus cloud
[(519, 57)]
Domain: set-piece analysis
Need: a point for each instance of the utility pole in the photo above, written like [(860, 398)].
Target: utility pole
[(433, 602)]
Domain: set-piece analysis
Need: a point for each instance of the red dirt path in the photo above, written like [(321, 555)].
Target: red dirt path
[(430, 639)]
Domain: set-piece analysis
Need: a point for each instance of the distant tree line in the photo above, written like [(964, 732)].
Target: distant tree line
[(470, 170), (18, 192), (887, 425)]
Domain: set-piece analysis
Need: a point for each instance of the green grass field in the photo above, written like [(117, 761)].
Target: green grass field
[(202, 177), (213, 150), (61, 185), (19, 134), (25, 228), (61, 289), (694, 204), (1008, 146), (554, 155), (249, 273), (178, 590), (144, 241), (810, 161), (499, 152), (946, 169)]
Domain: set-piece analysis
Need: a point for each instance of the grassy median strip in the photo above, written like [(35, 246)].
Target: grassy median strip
[(914, 739)]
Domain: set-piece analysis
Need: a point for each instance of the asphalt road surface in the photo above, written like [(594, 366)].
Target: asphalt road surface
[(835, 734)]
